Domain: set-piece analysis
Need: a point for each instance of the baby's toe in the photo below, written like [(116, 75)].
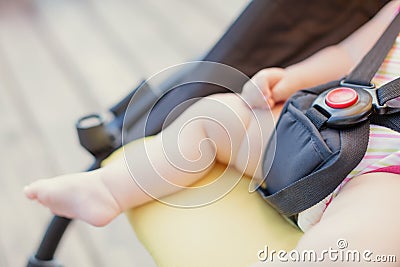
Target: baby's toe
[(30, 192)]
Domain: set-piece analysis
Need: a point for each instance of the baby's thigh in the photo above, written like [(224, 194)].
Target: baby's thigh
[(225, 118), (364, 214), (239, 132), (251, 150)]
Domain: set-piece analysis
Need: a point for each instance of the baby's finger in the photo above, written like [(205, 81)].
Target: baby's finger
[(270, 101), (266, 79)]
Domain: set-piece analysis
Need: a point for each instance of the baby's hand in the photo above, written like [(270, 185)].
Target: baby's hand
[(260, 91)]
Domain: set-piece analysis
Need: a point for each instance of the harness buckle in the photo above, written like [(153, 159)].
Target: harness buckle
[(348, 104), (373, 91)]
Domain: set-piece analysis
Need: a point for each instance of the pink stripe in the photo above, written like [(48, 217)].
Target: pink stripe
[(390, 61), (381, 156), (375, 156), (385, 135), (391, 169), (383, 77)]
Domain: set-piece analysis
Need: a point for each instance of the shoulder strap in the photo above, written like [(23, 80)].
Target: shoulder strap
[(388, 91), (391, 118), (369, 65)]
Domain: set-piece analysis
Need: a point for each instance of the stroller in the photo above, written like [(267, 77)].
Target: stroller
[(299, 28)]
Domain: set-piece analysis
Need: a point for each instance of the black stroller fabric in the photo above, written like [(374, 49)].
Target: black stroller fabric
[(271, 33), (283, 32)]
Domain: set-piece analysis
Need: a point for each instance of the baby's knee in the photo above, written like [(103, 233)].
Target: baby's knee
[(224, 119), (228, 100)]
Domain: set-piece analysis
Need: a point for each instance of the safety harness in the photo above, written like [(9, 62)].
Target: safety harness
[(322, 133)]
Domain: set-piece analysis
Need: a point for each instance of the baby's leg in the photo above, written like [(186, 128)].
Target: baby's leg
[(363, 217), (211, 129)]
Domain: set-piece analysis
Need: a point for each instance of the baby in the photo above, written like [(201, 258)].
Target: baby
[(99, 196)]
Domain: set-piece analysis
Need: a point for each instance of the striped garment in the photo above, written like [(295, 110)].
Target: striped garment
[(383, 148)]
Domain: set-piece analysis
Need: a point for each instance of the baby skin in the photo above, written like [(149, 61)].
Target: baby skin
[(234, 129)]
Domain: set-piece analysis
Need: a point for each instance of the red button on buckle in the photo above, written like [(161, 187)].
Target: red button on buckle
[(341, 97)]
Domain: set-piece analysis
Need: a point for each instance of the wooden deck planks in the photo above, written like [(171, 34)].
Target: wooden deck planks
[(37, 111), (44, 93), (220, 11), (142, 35), (52, 109), (60, 60), (23, 221), (85, 51)]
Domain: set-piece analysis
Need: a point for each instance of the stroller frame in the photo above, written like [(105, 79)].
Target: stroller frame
[(246, 47)]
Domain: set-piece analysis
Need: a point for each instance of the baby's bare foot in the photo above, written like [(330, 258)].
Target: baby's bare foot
[(80, 196)]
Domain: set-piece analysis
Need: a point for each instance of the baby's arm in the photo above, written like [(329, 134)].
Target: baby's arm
[(330, 63)]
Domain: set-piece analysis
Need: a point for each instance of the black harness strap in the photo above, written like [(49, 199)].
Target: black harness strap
[(388, 91), (316, 117), (369, 65), (391, 121)]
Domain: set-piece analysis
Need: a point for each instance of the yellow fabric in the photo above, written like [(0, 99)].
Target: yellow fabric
[(229, 232)]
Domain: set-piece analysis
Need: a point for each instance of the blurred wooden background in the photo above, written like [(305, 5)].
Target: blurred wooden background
[(61, 59)]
